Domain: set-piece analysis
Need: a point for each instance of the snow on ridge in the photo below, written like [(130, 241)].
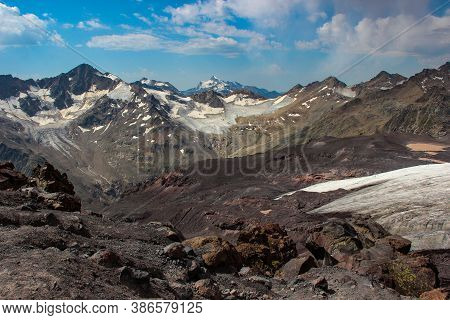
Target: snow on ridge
[(121, 92), (346, 92)]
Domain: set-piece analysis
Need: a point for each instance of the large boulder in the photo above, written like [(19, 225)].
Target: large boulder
[(10, 179), (51, 180), (412, 275), (218, 254), (265, 248), (297, 266), (335, 238)]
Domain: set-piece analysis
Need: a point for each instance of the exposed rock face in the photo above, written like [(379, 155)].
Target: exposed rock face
[(49, 189), (51, 180), (209, 97), (265, 247), (11, 179)]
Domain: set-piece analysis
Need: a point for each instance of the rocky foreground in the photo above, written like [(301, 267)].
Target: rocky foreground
[(52, 249)]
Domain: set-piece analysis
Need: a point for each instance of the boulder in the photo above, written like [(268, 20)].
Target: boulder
[(10, 179), (412, 275), (297, 266), (207, 289), (218, 254), (265, 247), (51, 180), (398, 243), (336, 238), (106, 258), (175, 251), (60, 201), (436, 294)]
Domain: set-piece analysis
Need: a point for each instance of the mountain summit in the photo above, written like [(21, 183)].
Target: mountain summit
[(227, 87)]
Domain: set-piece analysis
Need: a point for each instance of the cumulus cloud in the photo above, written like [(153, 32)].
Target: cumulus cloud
[(92, 24), (18, 29), (429, 37)]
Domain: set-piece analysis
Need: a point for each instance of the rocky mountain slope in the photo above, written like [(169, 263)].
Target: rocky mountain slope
[(46, 253)]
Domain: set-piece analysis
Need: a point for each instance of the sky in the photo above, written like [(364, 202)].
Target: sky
[(273, 44)]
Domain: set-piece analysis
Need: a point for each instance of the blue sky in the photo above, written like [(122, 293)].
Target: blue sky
[(269, 43)]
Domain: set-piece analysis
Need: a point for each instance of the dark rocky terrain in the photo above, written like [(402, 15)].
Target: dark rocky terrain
[(49, 253)]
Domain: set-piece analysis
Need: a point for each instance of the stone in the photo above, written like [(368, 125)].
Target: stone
[(265, 248), (106, 258), (49, 179), (136, 280), (412, 276), (207, 288), (320, 283), (175, 251), (297, 266), (336, 238), (398, 243), (218, 254), (10, 179), (436, 294)]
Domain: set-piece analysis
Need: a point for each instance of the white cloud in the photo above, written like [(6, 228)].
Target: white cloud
[(430, 37), (143, 19), (127, 42), (67, 26), (208, 45), (91, 25), (18, 29), (268, 13)]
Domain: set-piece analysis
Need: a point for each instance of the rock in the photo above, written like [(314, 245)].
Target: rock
[(335, 237), (136, 280), (60, 201), (218, 254), (194, 270), (207, 288), (436, 294), (297, 266), (245, 271), (320, 283), (51, 180), (412, 276), (368, 231), (169, 231), (175, 251), (106, 258), (261, 280), (265, 247), (11, 179), (398, 243)]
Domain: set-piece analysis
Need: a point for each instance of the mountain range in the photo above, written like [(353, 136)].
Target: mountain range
[(105, 132)]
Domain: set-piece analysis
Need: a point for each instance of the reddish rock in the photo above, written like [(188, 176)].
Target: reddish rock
[(265, 247), (106, 258), (217, 254), (207, 289), (412, 276), (398, 243), (297, 266), (436, 294)]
